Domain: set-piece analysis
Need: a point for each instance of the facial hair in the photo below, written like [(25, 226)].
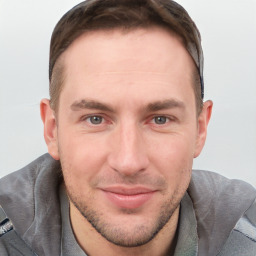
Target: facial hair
[(118, 235)]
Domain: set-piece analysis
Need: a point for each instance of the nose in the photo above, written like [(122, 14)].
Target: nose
[(128, 154)]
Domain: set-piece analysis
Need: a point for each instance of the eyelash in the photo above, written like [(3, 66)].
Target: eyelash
[(85, 118), (166, 119), (152, 119)]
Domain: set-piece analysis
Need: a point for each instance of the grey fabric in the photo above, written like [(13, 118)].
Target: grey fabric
[(30, 198), (12, 245), (187, 243), (10, 242), (247, 248), (245, 230), (69, 245), (219, 203)]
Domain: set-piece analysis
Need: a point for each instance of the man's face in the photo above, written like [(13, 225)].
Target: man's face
[(127, 130)]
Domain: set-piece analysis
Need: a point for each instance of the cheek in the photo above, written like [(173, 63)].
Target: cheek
[(82, 156), (174, 161), (172, 156)]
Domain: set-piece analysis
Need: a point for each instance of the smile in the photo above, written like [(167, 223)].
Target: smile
[(128, 198)]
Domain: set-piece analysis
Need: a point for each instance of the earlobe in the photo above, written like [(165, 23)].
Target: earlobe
[(203, 121), (50, 128)]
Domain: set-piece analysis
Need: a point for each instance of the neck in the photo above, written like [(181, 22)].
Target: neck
[(96, 245)]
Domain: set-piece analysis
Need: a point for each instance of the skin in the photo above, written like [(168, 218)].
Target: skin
[(126, 121)]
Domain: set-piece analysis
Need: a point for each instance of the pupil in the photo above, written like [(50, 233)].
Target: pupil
[(96, 119), (160, 120)]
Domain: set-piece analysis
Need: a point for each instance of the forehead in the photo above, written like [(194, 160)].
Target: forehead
[(102, 60), (154, 46)]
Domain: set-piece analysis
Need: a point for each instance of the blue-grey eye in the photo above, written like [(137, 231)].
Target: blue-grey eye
[(160, 119), (95, 119)]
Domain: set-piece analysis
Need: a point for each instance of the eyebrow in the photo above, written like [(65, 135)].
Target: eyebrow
[(165, 104), (90, 104), (151, 107)]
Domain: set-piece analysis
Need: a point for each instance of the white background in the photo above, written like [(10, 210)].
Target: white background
[(228, 29)]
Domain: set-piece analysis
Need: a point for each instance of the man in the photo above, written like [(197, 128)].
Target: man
[(124, 121)]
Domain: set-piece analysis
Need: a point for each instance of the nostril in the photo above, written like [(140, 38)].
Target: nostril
[(128, 164)]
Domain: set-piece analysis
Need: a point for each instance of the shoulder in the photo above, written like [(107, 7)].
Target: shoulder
[(211, 180), (29, 197), (242, 239), (212, 189), (28, 173), (18, 190), (220, 205)]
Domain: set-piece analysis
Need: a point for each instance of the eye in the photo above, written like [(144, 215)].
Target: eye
[(95, 120), (160, 120)]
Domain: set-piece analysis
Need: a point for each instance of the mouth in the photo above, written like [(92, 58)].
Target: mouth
[(128, 198)]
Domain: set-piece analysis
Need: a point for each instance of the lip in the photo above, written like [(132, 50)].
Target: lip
[(128, 198)]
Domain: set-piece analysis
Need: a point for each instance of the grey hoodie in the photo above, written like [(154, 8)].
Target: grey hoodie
[(30, 217)]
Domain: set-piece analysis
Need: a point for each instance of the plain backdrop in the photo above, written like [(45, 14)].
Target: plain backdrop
[(228, 29)]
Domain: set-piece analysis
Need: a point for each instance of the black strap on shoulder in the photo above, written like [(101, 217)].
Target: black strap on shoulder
[(5, 224), (11, 244)]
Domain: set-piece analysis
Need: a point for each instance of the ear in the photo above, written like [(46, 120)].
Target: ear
[(203, 121), (50, 128)]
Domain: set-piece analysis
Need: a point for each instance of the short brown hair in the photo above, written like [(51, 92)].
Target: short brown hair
[(94, 15)]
